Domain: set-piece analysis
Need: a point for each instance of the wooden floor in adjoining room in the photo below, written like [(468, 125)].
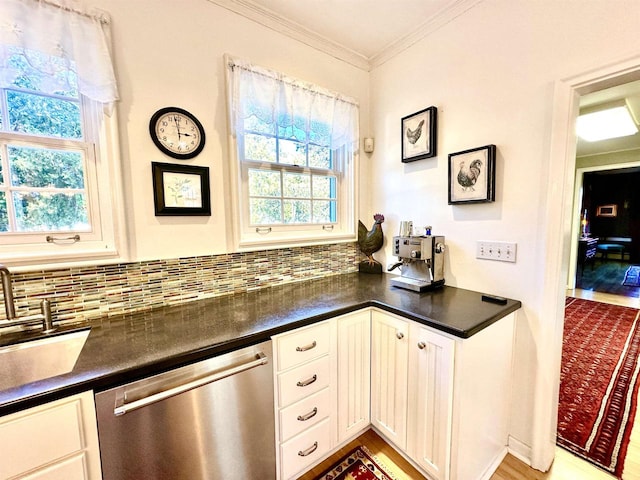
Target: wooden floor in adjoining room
[(565, 466)]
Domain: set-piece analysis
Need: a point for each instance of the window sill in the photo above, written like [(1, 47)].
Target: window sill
[(273, 241), (48, 258)]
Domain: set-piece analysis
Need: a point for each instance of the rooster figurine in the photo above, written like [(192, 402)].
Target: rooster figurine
[(369, 243), (467, 178)]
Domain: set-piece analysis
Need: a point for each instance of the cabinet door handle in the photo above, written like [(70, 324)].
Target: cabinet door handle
[(309, 381), (306, 347), (309, 451), (399, 335), (307, 416), (422, 345)]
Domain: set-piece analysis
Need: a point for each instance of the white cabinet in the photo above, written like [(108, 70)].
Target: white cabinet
[(354, 373), (389, 376), (55, 441), (430, 399), (305, 398)]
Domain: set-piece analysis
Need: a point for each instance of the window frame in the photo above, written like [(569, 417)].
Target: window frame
[(246, 236), (106, 239)]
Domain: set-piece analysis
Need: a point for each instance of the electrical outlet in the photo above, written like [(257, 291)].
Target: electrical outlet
[(500, 251)]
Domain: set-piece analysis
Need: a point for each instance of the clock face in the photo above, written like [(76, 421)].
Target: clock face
[(177, 133)]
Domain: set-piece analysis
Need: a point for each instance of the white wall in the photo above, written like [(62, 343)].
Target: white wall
[(491, 72), (170, 53)]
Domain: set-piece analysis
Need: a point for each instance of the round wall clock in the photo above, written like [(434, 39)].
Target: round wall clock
[(177, 133)]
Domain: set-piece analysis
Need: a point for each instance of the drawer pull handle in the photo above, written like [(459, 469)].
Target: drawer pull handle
[(308, 381), (307, 416), (399, 335), (422, 345), (306, 347), (309, 451)]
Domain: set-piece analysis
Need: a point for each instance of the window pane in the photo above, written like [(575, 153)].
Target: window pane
[(297, 211), (320, 157), (39, 167), (297, 185), (324, 187), (263, 183), (265, 211), (38, 115), (36, 212), (324, 211), (292, 153), (258, 147), (4, 217)]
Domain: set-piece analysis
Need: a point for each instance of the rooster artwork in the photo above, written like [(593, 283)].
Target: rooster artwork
[(370, 241), (467, 177)]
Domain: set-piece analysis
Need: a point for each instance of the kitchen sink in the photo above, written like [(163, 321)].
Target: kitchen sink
[(41, 358)]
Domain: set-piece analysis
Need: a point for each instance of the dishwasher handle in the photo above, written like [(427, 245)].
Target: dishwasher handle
[(122, 407)]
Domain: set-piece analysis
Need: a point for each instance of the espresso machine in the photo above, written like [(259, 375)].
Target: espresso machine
[(421, 261)]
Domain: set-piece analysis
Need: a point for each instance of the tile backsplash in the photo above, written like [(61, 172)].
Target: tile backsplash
[(92, 292)]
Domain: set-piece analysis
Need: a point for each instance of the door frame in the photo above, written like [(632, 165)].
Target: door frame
[(557, 192)]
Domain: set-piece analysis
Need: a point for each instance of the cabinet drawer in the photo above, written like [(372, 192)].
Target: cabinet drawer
[(34, 439), (302, 381), (303, 450), (304, 414), (73, 468), (302, 345)]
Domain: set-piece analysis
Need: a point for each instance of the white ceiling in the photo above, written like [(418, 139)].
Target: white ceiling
[(630, 92), (364, 33)]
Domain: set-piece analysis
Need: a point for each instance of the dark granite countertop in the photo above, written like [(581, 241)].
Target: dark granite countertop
[(124, 348)]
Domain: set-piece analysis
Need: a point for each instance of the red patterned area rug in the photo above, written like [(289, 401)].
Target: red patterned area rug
[(598, 381), (359, 464)]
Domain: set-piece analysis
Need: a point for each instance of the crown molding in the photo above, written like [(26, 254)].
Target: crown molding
[(272, 20), (437, 21), (276, 22)]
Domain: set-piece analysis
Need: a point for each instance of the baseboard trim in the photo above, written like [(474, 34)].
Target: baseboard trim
[(520, 450)]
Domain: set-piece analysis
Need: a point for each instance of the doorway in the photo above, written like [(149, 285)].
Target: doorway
[(605, 218), (558, 192)]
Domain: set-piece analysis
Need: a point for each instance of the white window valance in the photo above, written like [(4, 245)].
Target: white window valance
[(65, 30), (323, 117)]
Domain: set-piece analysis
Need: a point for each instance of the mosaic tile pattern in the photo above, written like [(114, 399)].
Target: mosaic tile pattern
[(91, 292)]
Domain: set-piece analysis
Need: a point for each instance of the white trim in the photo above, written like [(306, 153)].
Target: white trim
[(557, 191), (520, 450), (280, 24)]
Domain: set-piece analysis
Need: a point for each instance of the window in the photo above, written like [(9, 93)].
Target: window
[(293, 164), (55, 139)]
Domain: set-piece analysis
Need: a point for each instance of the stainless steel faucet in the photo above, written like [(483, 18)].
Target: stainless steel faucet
[(9, 306)]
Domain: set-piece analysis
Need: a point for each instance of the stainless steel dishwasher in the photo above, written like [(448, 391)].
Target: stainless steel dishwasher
[(210, 420)]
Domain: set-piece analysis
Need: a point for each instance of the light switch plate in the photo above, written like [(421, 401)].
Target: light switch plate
[(500, 251)]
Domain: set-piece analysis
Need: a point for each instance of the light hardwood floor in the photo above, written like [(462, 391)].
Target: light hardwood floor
[(565, 466)]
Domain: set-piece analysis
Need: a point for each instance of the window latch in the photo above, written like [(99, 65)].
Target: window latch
[(263, 229)]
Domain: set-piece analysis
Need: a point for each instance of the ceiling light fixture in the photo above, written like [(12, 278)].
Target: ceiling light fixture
[(603, 124)]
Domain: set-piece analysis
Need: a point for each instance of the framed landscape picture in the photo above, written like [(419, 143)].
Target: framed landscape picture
[(472, 175), (180, 189), (419, 135)]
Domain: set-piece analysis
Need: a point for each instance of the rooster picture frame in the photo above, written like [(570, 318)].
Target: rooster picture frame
[(418, 133), (472, 175)]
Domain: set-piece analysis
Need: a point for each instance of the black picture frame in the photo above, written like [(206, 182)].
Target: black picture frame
[(418, 134), (180, 189), (472, 175)]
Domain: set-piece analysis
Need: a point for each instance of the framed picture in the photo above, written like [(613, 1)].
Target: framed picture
[(180, 189), (472, 175), (419, 135), (607, 211)]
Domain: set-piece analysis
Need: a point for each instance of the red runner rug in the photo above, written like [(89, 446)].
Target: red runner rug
[(598, 381), (359, 464)]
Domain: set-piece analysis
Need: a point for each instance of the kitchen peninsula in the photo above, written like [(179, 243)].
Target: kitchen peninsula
[(445, 347)]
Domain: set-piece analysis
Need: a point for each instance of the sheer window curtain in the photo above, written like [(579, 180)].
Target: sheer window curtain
[(64, 29), (328, 118)]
